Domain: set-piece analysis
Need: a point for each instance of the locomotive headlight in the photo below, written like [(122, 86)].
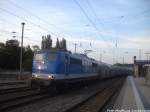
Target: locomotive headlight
[(50, 77), (39, 67), (36, 76)]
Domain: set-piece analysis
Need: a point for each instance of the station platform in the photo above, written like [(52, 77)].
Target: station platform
[(134, 95)]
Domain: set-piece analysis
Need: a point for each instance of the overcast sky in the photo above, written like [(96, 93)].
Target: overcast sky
[(115, 28)]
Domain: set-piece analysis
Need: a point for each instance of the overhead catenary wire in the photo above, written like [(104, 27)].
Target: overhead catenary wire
[(95, 14), (16, 26), (26, 38), (16, 5), (36, 16), (10, 23), (10, 32), (90, 20), (93, 11), (98, 19), (13, 14)]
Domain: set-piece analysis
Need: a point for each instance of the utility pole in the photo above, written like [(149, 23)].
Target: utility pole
[(100, 56), (139, 54), (75, 45), (125, 57), (21, 50), (123, 60)]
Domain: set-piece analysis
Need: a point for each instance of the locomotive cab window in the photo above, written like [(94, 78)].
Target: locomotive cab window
[(52, 56), (39, 57)]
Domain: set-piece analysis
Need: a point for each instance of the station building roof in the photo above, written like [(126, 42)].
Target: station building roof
[(141, 62)]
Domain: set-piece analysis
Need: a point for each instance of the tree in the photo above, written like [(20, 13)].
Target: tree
[(10, 53), (2, 45), (10, 56), (27, 59)]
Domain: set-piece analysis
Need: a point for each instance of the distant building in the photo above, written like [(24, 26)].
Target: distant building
[(139, 67)]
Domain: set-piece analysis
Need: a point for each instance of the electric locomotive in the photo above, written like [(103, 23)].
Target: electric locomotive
[(55, 66)]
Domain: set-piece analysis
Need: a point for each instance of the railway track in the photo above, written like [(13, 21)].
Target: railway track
[(13, 97), (82, 100), (12, 83), (64, 102), (13, 86), (18, 94), (21, 100), (13, 90), (97, 101)]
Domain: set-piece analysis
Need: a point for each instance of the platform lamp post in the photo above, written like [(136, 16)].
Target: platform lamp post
[(123, 60), (75, 47), (21, 50)]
